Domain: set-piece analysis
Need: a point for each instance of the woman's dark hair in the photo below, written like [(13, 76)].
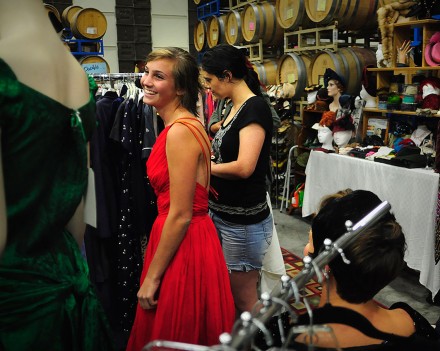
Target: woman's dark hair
[(186, 74), (221, 58), (377, 254)]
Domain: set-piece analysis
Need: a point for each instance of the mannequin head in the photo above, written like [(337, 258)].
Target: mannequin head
[(370, 101), (311, 97), (429, 89), (325, 137), (342, 137)]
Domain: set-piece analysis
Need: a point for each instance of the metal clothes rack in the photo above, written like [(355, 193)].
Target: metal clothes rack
[(249, 324)]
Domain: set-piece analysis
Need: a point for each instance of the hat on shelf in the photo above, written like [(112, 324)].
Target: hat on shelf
[(432, 50), (327, 120), (329, 74), (344, 119), (369, 80), (312, 88)]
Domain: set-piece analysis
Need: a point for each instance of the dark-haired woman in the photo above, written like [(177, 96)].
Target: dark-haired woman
[(376, 258), (241, 150)]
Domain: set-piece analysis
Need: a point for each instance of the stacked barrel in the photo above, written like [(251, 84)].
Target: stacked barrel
[(82, 33), (250, 22)]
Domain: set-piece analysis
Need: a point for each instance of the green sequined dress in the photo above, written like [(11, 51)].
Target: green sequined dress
[(46, 299)]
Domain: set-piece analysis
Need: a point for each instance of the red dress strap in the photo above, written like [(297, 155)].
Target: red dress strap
[(200, 136)]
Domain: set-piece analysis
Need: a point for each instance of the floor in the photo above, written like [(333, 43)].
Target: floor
[(293, 235)]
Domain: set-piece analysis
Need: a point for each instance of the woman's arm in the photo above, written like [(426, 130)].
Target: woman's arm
[(183, 155), (251, 142), (3, 224)]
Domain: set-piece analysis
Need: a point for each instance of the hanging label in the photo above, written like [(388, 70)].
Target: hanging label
[(214, 36), (289, 14), (92, 68), (320, 5), (291, 78), (251, 26), (232, 31)]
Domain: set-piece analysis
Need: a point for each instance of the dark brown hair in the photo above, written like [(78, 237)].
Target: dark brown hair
[(377, 254)]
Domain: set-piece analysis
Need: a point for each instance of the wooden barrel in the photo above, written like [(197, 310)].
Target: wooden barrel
[(267, 71), (347, 62), (259, 22), (216, 30), (68, 13), (88, 23), (350, 14), (291, 14), (233, 32), (85, 60), (293, 68), (200, 31), (52, 10)]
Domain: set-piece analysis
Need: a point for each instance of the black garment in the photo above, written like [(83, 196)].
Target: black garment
[(242, 201), (424, 338)]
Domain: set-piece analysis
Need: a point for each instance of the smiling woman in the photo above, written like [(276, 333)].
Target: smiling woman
[(185, 294)]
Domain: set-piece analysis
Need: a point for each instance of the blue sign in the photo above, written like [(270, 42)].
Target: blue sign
[(95, 68)]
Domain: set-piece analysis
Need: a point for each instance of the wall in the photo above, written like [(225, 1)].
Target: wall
[(169, 20)]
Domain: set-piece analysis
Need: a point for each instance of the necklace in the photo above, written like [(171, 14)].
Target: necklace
[(428, 10)]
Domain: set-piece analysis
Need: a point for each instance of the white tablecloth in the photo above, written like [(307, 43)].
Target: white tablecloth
[(412, 194)]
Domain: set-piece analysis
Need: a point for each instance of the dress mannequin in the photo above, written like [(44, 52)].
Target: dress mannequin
[(325, 137), (341, 138), (48, 95), (370, 101)]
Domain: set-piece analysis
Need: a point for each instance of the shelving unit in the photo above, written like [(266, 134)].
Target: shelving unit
[(404, 31)]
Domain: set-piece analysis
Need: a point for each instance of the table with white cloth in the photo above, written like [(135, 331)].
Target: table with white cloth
[(412, 194)]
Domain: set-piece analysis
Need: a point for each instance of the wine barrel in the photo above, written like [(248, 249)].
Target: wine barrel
[(259, 22), (200, 30), (93, 59), (216, 30), (88, 23), (267, 71), (233, 32), (350, 14), (347, 62), (68, 13), (291, 14), (293, 68)]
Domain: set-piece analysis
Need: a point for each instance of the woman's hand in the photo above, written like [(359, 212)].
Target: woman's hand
[(148, 293), (403, 51)]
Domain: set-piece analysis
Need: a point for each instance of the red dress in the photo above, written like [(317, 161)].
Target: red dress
[(195, 303)]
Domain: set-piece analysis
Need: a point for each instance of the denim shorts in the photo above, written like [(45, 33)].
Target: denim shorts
[(244, 245)]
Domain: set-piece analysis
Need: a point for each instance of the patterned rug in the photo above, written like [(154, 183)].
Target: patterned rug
[(312, 290)]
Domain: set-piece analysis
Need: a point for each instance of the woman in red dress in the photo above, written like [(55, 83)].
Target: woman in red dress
[(185, 293)]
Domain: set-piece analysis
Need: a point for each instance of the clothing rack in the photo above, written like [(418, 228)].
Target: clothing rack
[(249, 324)]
